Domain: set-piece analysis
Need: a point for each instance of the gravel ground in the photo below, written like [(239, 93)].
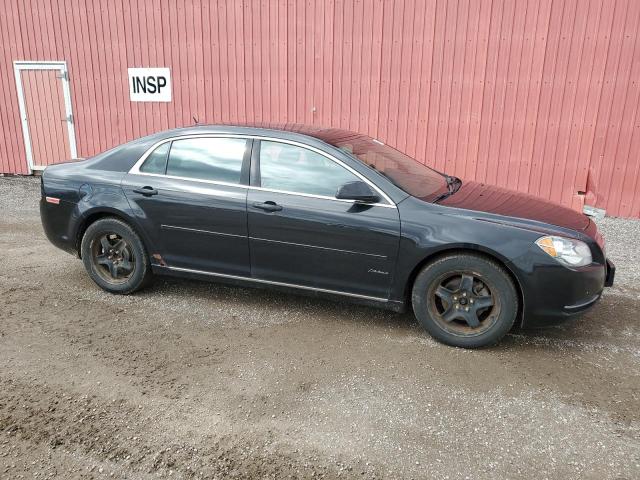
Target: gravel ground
[(191, 380)]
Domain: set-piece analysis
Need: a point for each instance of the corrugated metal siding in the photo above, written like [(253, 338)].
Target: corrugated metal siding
[(536, 95)]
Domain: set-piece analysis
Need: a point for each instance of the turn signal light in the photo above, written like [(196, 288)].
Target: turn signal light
[(546, 244)]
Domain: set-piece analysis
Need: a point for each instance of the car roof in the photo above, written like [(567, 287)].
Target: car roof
[(328, 135)]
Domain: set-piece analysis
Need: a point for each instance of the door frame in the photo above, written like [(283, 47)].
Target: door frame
[(61, 66)]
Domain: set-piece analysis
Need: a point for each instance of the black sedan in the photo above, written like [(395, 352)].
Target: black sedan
[(327, 212)]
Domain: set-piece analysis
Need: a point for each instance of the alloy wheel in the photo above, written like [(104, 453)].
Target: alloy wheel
[(113, 258), (463, 303)]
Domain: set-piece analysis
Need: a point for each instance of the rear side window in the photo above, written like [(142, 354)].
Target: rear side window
[(215, 159), (299, 170), (156, 162)]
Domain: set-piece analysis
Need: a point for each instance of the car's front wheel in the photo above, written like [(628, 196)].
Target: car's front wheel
[(465, 300), (115, 257)]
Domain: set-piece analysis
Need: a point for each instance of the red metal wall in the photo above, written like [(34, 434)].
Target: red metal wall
[(537, 95)]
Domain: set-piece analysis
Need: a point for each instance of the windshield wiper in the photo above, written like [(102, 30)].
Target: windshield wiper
[(453, 185)]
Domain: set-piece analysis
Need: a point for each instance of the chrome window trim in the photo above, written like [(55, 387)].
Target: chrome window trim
[(323, 197), (190, 179), (135, 170), (280, 284)]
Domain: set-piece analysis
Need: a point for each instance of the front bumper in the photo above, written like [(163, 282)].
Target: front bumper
[(553, 293), (611, 273)]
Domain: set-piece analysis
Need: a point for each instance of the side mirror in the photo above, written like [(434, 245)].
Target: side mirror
[(358, 191)]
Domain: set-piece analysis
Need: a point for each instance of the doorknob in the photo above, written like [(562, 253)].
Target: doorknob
[(146, 191), (268, 206)]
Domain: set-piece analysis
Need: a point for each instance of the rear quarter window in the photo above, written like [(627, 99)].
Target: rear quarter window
[(156, 162)]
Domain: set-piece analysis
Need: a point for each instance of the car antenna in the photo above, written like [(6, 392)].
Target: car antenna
[(195, 119)]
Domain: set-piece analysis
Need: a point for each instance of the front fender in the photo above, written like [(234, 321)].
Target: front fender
[(428, 232)]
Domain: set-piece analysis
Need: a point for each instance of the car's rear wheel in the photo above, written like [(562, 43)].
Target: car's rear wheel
[(115, 257), (465, 300)]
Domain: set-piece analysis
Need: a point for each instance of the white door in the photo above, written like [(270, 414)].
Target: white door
[(44, 98)]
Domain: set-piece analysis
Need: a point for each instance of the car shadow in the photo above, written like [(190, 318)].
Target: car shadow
[(336, 309), (610, 323)]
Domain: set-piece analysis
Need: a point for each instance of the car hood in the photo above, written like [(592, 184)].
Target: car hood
[(488, 198)]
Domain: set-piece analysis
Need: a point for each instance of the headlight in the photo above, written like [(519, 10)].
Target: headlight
[(572, 253)]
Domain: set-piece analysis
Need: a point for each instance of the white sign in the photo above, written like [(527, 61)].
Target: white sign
[(150, 84)]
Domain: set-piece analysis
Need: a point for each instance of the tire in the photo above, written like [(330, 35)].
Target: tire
[(465, 300), (115, 257)]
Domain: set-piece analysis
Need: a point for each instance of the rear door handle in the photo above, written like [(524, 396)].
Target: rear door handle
[(268, 206), (146, 191)]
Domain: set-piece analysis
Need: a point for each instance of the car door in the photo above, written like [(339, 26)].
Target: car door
[(301, 234), (190, 196)]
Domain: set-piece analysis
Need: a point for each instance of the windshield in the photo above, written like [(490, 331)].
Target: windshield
[(405, 172)]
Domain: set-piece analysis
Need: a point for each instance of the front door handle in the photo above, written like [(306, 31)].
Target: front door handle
[(146, 191), (268, 206)]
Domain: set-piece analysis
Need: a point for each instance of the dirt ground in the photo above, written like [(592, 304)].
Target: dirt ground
[(190, 380)]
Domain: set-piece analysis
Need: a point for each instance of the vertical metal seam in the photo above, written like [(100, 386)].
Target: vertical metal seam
[(561, 103), (625, 105), (515, 99), (544, 61), (597, 116)]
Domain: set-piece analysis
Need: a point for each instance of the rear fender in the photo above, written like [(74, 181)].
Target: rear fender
[(104, 201)]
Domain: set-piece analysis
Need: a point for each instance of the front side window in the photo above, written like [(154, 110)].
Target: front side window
[(156, 162), (215, 159), (295, 169)]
